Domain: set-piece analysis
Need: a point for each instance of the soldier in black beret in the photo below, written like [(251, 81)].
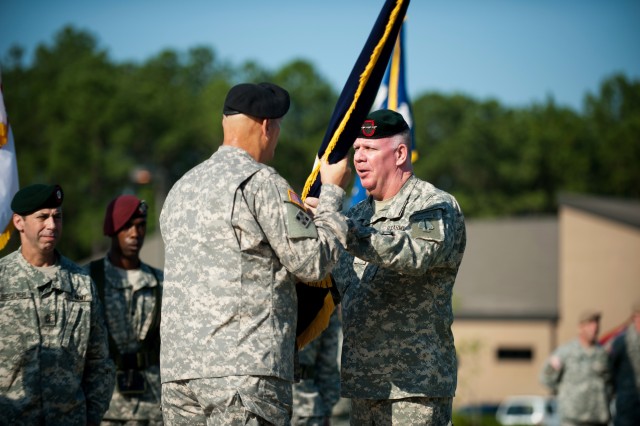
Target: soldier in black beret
[(412, 235), (36, 197), (238, 353), (53, 298)]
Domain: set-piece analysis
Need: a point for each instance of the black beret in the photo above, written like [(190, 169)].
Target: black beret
[(35, 197), (382, 123), (262, 100)]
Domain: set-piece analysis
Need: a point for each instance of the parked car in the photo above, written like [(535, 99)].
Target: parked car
[(528, 410)]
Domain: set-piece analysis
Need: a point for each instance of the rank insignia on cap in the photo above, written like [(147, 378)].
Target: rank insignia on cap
[(295, 199), (59, 194), (383, 123), (369, 128), (142, 208)]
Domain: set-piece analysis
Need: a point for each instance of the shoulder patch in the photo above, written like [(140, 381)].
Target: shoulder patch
[(428, 225), (299, 223), (295, 199)]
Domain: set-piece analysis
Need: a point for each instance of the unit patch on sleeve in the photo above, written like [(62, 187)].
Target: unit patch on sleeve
[(299, 223), (427, 224)]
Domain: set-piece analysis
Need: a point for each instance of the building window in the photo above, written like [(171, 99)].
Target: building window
[(514, 354)]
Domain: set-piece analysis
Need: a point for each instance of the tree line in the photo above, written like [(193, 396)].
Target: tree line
[(101, 128)]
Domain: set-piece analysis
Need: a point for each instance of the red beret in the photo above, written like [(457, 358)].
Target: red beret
[(120, 210)]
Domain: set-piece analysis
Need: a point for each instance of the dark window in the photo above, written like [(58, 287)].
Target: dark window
[(515, 354)]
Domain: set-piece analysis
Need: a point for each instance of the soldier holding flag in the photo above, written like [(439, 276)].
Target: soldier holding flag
[(396, 276)]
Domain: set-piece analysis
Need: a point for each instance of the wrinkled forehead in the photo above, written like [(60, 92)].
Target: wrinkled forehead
[(47, 212), (372, 143)]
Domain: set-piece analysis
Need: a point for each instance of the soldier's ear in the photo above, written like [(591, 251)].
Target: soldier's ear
[(18, 222)]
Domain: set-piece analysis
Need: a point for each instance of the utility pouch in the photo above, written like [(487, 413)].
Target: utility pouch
[(131, 382)]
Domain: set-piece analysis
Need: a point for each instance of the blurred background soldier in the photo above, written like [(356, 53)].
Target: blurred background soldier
[(319, 387), (54, 360), (625, 368), (578, 372), (131, 294)]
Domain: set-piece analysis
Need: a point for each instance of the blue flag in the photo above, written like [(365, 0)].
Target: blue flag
[(360, 91), (391, 95)]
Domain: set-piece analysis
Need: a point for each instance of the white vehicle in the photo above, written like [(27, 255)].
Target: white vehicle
[(528, 410)]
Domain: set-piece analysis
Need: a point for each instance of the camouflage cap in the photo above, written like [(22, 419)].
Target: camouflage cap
[(35, 197), (589, 315), (382, 123)]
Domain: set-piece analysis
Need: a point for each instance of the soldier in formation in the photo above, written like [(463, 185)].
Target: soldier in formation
[(54, 359), (131, 293)]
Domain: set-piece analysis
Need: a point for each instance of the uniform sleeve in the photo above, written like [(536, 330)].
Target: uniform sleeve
[(307, 247), (99, 373), (434, 236), (549, 376)]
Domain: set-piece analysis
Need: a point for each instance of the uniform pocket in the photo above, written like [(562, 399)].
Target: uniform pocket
[(76, 327)]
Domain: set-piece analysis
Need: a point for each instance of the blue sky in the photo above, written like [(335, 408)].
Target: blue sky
[(516, 51)]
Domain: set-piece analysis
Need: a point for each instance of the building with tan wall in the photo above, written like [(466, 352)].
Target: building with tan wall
[(524, 282), (599, 260), (505, 306)]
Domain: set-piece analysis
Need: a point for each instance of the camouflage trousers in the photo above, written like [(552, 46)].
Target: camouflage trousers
[(130, 423), (227, 401), (415, 411)]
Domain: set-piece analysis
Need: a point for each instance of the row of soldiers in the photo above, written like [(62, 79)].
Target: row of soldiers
[(49, 379), (78, 345)]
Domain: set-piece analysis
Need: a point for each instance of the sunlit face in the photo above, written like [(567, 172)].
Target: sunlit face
[(589, 330), (131, 237), (375, 162), (40, 230)]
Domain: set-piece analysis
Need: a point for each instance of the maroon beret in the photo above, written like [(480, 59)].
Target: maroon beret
[(120, 210)]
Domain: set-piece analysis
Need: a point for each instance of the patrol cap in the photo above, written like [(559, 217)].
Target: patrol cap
[(120, 210), (262, 100), (35, 197), (589, 315), (382, 123)]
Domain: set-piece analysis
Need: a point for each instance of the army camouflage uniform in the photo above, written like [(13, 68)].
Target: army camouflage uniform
[(319, 387), (583, 384), (130, 311), (396, 282), (625, 368), (237, 239), (54, 360)]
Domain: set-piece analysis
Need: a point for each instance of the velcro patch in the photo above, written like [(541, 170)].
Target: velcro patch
[(428, 225), (299, 223)]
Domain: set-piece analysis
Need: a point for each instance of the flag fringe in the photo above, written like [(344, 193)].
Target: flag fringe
[(364, 78), (6, 235), (319, 324)]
